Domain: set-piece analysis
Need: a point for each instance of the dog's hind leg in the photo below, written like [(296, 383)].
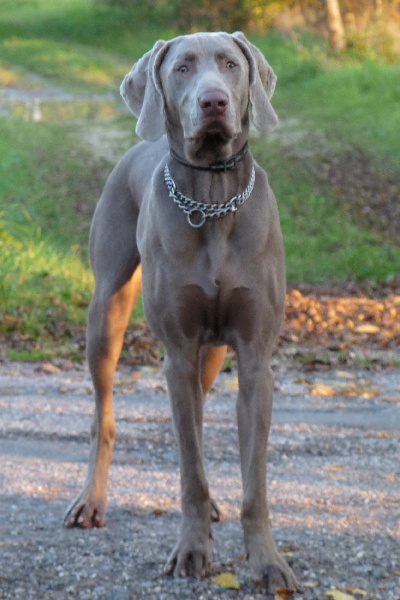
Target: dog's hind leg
[(212, 362)]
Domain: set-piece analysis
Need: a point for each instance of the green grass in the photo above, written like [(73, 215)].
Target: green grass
[(50, 179), (83, 43), (49, 184)]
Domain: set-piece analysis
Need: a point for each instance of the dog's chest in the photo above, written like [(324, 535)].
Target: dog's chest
[(219, 318)]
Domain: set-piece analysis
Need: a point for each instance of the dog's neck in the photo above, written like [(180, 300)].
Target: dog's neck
[(220, 166)]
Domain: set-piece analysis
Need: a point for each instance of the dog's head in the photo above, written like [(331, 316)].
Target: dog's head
[(199, 87)]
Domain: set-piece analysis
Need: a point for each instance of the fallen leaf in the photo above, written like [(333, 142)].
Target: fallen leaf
[(333, 468), (372, 393), (51, 369), (321, 389), (227, 580), (310, 584), (368, 328), (8, 544), (338, 595), (159, 386), (358, 591), (9, 320), (391, 399), (283, 594), (354, 391), (345, 375), (158, 512), (233, 384)]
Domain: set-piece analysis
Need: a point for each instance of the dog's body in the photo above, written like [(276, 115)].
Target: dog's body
[(207, 281)]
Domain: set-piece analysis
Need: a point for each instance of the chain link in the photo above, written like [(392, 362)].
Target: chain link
[(199, 212)]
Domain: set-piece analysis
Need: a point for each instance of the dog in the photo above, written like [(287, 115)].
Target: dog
[(188, 216)]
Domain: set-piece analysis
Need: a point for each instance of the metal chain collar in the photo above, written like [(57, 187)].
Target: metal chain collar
[(199, 212)]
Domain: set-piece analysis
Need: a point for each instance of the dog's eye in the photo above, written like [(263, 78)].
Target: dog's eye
[(230, 64), (183, 69)]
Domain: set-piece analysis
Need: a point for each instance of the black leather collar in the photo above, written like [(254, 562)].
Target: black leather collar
[(217, 167)]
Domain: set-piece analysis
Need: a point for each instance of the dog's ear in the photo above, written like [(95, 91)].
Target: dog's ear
[(262, 84), (143, 95)]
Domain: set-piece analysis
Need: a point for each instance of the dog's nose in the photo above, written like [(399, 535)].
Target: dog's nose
[(213, 103)]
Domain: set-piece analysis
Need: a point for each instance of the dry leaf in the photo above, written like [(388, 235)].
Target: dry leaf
[(51, 369), (321, 389), (310, 584), (372, 393), (392, 399), (358, 591), (333, 468), (283, 594), (338, 595), (345, 375), (158, 512), (227, 580), (8, 544), (159, 386), (233, 384), (367, 328)]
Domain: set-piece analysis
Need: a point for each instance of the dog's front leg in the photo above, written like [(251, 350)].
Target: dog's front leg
[(192, 553), (108, 318), (256, 381)]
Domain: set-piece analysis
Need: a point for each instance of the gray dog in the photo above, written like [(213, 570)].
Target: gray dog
[(195, 211)]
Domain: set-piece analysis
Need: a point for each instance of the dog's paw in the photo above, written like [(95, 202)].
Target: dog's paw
[(190, 558), (275, 575), (86, 511)]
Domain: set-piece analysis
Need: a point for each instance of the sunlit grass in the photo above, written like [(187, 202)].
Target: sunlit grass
[(40, 287), (74, 64)]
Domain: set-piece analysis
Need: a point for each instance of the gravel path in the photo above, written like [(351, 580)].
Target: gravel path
[(333, 484)]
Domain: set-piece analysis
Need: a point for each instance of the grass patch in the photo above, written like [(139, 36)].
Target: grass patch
[(322, 241), (49, 184), (82, 43)]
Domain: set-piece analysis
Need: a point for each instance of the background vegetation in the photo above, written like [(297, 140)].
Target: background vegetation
[(334, 163)]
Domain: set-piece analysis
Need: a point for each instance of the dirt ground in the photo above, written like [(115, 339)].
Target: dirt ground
[(333, 480)]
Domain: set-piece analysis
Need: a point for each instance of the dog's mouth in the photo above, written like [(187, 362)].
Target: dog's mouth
[(214, 143)]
